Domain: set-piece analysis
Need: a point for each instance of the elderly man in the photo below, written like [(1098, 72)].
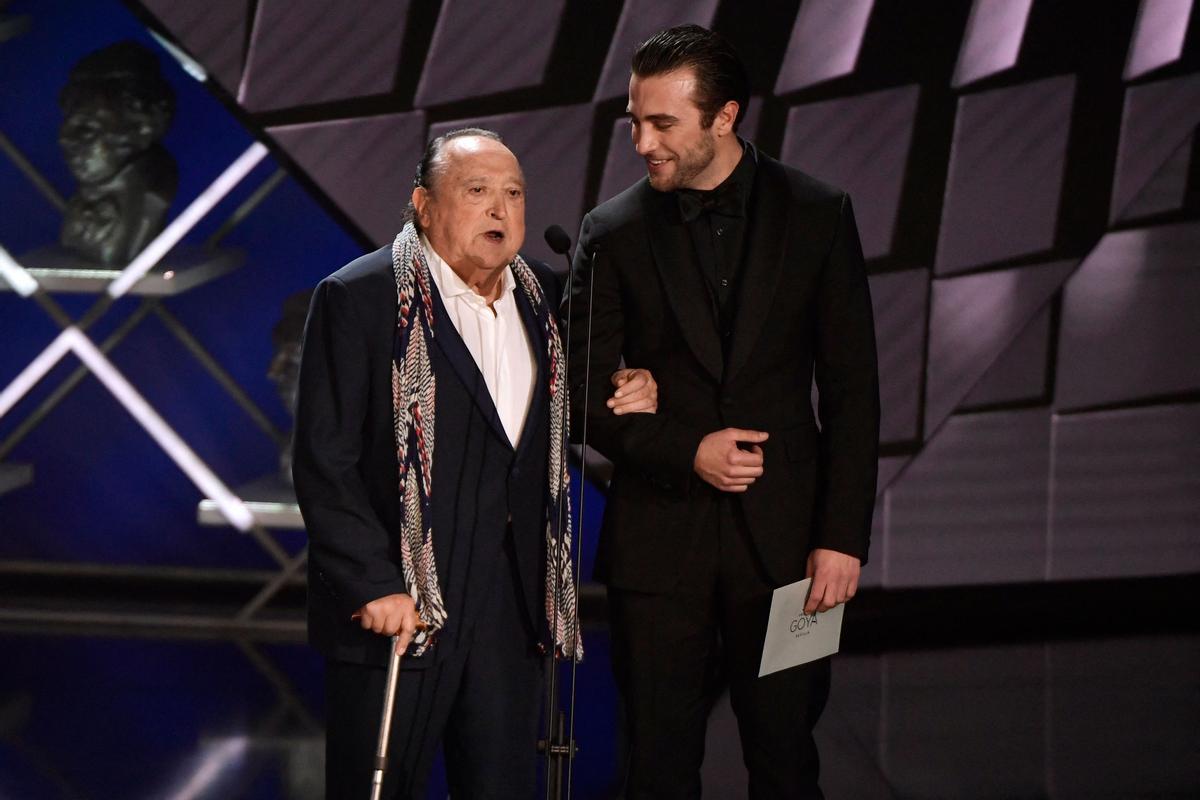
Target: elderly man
[(428, 464)]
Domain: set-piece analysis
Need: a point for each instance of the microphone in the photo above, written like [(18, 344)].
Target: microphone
[(558, 240)]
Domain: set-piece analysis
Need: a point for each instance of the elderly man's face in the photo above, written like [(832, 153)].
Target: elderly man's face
[(474, 214)]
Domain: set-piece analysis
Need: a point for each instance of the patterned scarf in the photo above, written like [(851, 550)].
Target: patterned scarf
[(414, 392)]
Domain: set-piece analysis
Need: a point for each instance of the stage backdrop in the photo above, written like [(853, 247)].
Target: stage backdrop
[(1024, 174)]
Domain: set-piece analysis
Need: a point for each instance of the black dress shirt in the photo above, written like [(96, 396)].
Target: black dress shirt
[(716, 220)]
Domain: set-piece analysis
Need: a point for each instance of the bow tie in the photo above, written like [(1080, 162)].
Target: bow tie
[(725, 199)]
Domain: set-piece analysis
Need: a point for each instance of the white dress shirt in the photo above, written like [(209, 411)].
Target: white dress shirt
[(497, 340)]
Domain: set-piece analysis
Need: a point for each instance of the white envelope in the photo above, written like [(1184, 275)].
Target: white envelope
[(795, 638)]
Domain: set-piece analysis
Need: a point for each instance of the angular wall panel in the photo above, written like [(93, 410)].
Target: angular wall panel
[(1166, 190), (481, 47), (825, 42), (212, 32), (1125, 498), (310, 51), (898, 299), (641, 19), (1157, 120), (553, 146), (1158, 36), (1130, 327), (971, 508), (1006, 170), (973, 320), (992, 42), (859, 144), (1020, 371), (365, 165), (889, 469)]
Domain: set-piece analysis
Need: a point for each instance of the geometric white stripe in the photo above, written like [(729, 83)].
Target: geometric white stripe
[(230, 504), (36, 370), (153, 252), (21, 281)]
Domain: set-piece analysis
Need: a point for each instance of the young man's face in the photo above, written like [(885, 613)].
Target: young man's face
[(665, 124)]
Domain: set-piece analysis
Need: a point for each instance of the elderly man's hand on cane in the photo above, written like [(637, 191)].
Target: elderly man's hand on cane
[(391, 615)]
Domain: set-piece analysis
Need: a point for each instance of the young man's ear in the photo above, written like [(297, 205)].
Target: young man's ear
[(726, 116)]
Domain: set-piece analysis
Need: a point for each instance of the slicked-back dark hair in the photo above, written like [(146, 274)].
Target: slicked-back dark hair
[(432, 164), (720, 74)]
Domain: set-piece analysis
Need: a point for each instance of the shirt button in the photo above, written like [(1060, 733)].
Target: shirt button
[(724, 282), (720, 231)]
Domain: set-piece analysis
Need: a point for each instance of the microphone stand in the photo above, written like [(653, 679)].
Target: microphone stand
[(559, 744)]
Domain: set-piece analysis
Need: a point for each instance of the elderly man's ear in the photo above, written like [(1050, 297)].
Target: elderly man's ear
[(636, 392), (420, 197)]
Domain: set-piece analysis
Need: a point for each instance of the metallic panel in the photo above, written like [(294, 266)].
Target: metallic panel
[(311, 51), (899, 302), (992, 41), (1020, 371), (826, 40), (971, 508), (641, 19), (1130, 328), (365, 165), (1125, 496), (859, 144), (974, 319), (1006, 170), (481, 48), (1158, 36), (1157, 120), (212, 33)]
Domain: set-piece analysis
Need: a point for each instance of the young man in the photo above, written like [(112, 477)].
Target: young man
[(730, 277)]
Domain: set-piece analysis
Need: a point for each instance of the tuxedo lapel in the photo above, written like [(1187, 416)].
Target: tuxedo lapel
[(683, 284), (451, 345), (766, 242)]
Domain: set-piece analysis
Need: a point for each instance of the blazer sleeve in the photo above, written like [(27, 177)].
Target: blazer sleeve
[(657, 445), (350, 546), (847, 380)]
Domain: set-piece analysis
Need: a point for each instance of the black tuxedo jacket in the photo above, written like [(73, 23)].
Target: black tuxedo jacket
[(803, 305), (346, 467)]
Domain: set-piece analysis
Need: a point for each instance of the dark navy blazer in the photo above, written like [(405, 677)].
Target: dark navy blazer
[(346, 468)]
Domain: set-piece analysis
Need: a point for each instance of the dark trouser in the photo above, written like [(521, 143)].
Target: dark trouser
[(482, 703), (670, 652)]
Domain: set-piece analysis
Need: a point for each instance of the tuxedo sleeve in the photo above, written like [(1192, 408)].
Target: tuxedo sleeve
[(847, 380), (349, 544), (658, 446)]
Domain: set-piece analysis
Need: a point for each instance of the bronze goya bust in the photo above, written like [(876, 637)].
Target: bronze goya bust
[(116, 108)]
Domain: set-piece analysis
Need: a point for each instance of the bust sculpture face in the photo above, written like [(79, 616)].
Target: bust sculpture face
[(116, 107)]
